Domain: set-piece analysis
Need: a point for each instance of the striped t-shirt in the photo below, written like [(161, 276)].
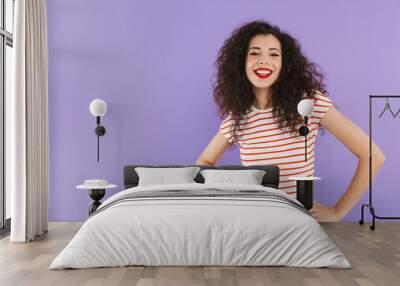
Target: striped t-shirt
[(262, 142)]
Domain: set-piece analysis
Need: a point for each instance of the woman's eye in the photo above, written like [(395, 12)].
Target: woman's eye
[(275, 55), (254, 54)]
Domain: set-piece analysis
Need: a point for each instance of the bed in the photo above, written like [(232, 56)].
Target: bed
[(201, 224)]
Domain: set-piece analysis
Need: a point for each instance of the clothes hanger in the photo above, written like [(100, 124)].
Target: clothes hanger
[(387, 106), (398, 111)]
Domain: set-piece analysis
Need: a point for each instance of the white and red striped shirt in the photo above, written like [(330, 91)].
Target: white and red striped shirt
[(262, 142)]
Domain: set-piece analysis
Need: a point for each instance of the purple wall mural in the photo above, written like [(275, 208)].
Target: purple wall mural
[(153, 63)]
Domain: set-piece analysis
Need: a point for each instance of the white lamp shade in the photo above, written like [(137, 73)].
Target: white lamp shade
[(305, 107), (98, 107)]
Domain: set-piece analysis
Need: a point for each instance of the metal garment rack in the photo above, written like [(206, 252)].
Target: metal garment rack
[(369, 205)]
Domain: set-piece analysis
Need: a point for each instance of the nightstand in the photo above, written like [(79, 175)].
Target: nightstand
[(97, 190), (304, 190)]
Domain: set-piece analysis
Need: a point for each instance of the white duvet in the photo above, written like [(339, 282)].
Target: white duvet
[(200, 231)]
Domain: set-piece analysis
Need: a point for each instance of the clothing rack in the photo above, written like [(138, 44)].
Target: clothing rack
[(369, 205)]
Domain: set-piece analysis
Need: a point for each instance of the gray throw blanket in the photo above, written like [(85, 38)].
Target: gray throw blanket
[(206, 194)]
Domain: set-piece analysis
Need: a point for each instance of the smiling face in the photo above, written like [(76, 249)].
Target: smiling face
[(263, 61)]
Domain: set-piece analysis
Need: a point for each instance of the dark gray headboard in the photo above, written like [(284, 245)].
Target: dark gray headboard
[(270, 179)]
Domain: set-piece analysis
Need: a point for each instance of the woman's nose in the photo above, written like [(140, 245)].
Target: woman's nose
[(263, 60)]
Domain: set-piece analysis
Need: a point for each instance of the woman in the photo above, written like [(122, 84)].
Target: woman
[(262, 76)]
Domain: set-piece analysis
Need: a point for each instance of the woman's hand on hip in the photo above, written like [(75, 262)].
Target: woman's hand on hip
[(323, 213)]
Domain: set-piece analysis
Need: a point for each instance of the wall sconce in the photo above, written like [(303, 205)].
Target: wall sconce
[(305, 108), (98, 108)]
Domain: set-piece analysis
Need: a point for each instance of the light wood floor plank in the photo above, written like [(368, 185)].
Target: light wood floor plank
[(375, 257)]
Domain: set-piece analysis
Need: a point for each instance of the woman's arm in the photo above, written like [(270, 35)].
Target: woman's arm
[(214, 150), (355, 139)]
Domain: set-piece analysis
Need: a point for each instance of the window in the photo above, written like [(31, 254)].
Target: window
[(6, 62)]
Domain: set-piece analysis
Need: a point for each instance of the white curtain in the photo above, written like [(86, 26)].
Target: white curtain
[(27, 123)]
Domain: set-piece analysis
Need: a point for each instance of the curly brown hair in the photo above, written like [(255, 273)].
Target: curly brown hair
[(233, 92)]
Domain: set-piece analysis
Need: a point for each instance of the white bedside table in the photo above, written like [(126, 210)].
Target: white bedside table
[(97, 190), (304, 190)]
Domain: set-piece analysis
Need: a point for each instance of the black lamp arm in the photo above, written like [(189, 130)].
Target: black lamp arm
[(100, 131), (304, 132), (305, 139)]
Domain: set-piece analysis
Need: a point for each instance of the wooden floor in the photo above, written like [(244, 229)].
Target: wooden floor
[(375, 257)]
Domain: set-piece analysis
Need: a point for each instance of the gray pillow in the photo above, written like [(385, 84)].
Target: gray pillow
[(162, 176), (248, 177)]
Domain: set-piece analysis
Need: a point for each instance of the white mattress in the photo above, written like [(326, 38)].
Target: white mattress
[(183, 231)]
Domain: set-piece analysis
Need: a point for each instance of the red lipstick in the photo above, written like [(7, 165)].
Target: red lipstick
[(263, 73)]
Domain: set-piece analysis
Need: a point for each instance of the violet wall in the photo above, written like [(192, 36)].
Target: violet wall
[(153, 63)]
